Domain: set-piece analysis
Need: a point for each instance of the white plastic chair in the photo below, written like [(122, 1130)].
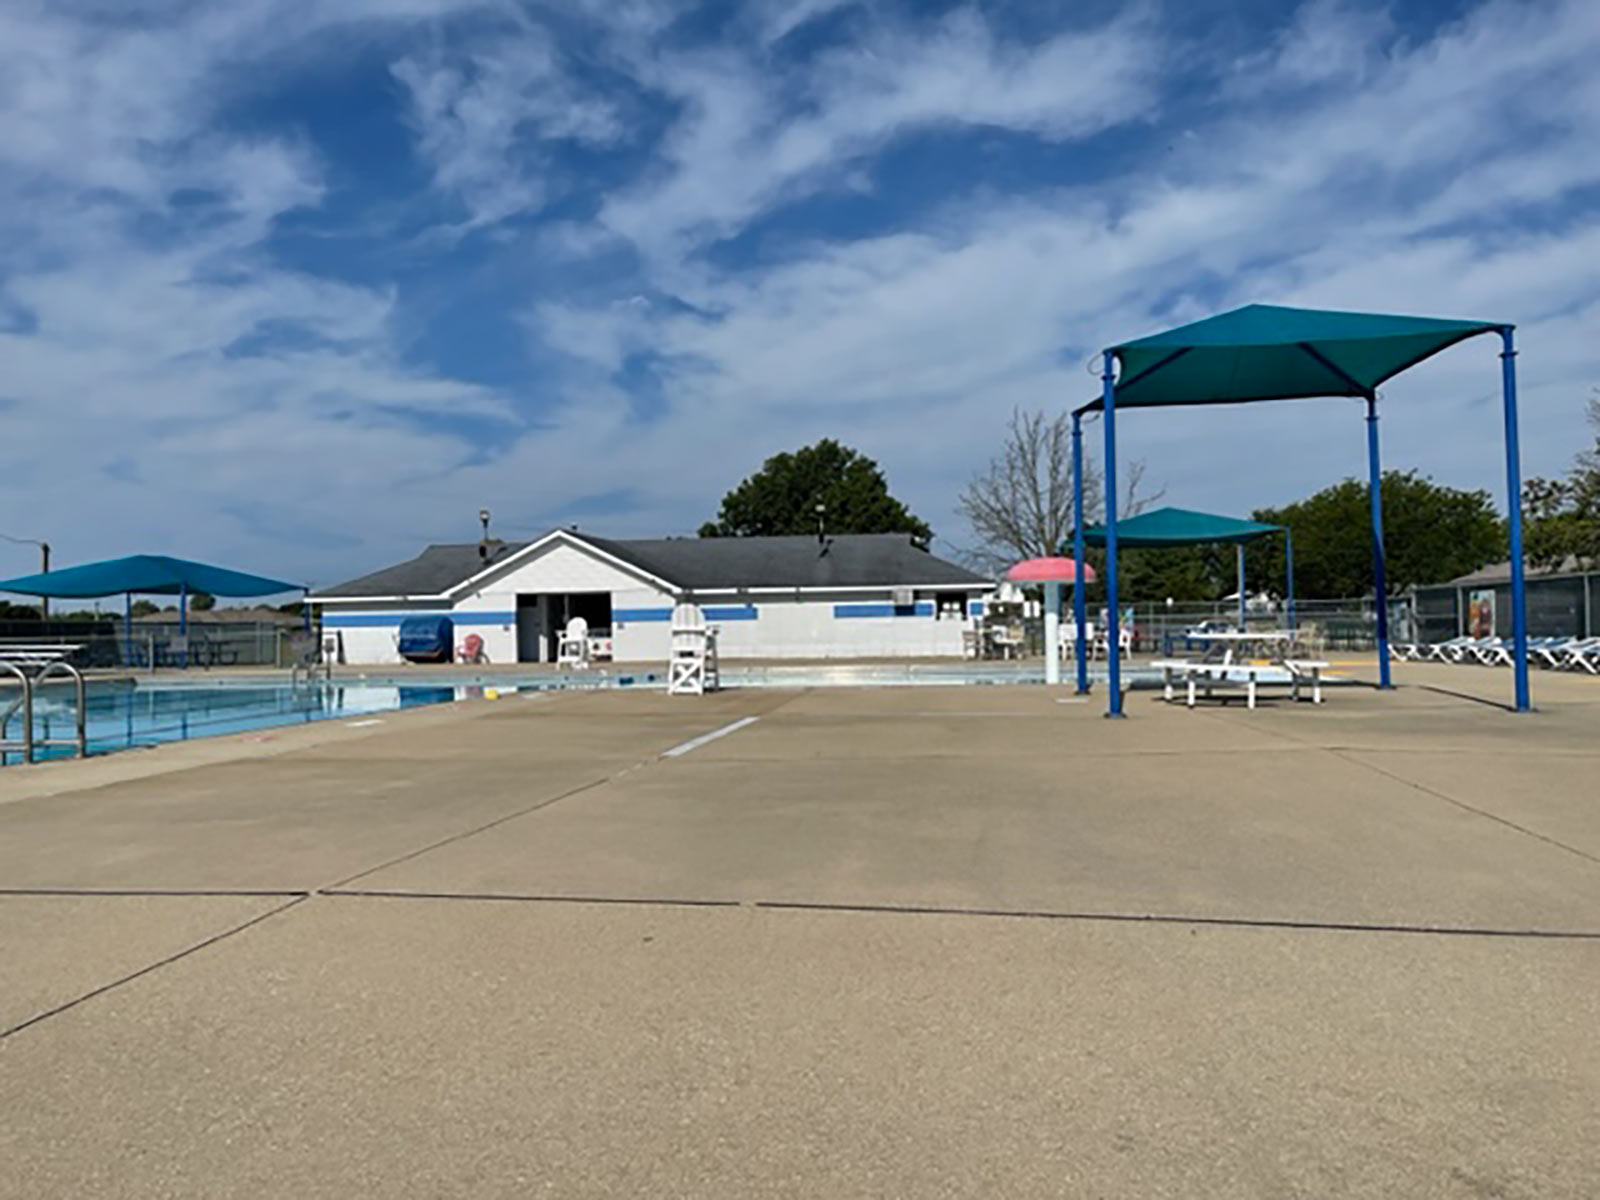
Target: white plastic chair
[(572, 650), (692, 666)]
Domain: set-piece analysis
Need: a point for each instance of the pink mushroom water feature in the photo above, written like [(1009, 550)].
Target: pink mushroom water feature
[(1052, 573)]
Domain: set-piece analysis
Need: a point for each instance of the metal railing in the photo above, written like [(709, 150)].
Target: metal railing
[(159, 646), (15, 662)]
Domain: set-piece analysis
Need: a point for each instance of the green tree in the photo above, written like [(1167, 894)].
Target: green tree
[(201, 601), (144, 608), (1431, 534), (1562, 516), (18, 612), (783, 496), (1185, 573)]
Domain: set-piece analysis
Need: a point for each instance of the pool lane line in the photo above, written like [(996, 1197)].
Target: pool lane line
[(695, 743)]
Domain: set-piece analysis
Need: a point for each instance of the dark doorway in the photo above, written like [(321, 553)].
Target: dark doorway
[(561, 607)]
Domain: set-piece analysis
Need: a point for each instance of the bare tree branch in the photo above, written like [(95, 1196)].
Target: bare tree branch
[(1020, 505)]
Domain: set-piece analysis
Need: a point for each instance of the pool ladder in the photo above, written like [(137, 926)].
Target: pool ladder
[(310, 671), (27, 743)]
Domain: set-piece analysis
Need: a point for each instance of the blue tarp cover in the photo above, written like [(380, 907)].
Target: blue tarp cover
[(144, 573), (426, 637), (1179, 527)]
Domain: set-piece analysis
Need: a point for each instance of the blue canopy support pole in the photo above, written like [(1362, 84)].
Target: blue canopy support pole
[(127, 628), (1519, 606), (1238, 557), (1113, 617), (1288, 572), (1379, 575), (1080, 637), (183, 625)]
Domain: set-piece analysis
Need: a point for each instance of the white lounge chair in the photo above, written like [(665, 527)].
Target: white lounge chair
[(1491, 652), (1549, 651), (572, 649), (1446, 651), (1585, 656)]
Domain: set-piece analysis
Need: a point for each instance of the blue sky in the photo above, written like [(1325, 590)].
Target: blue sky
[(300, 287)]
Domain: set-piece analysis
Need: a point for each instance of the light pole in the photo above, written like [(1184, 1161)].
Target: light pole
[(483, 540), (821, 510), (44, 567)]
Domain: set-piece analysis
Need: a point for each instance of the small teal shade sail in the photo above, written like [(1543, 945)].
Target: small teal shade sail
[(1179, 527), (144, 573)]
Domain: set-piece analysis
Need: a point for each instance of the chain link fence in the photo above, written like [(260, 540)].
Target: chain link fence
[(159, 645), (1322, 625)]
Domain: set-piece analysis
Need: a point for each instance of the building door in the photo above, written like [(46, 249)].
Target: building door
[(530, 629)]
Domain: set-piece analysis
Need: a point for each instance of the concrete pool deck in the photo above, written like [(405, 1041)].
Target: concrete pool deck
[(969, 941)]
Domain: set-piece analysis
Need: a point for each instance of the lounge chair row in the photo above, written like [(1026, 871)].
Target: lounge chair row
[(1557, 653)]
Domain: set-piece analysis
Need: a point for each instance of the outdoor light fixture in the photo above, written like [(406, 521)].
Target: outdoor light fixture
[(483, 542)]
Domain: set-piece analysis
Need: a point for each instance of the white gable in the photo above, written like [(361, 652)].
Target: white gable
[(560, 565)]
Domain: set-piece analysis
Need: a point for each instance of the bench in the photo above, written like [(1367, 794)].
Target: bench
[(1297, 673)]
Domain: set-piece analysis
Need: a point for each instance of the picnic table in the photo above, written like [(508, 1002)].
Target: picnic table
[(1228, 663)]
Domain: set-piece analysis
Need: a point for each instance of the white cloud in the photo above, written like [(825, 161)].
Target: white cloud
[(917, 344), (477, 115), (1360, 168), (737, 151)]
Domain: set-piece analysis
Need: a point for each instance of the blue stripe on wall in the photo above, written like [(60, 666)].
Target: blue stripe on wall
[(641, 614), (732, 612), (923, 609), (377, 620)]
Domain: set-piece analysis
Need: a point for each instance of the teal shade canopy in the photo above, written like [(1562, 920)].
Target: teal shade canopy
[(145, 573), (1179, 527), (1267, 352)]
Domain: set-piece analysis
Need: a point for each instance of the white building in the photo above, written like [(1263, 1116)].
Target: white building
[(853, 595)]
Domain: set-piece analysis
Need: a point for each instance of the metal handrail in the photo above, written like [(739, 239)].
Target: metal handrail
[(7, 744), (80, 692), (28, 743)]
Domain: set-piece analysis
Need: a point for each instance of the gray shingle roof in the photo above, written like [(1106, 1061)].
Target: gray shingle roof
[(435, 571), (850, 560), (1500, 572), (700, 564)]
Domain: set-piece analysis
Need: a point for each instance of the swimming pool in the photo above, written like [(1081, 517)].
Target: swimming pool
[(123, 715)]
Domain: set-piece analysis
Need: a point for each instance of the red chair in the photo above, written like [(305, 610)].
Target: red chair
[(471, 649)]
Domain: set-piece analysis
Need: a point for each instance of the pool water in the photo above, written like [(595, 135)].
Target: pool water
[(124, 715)]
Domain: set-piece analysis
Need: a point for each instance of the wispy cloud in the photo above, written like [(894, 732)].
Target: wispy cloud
[(656, 235)]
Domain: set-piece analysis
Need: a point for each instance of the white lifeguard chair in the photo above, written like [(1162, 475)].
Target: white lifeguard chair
[(692, 667), (572, 648)]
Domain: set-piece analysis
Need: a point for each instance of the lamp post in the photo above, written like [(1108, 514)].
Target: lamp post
[(821, 510), (44, 567)]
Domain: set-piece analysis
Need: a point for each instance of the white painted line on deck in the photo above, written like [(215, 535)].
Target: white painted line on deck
[(696, 743), (364, 724)]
